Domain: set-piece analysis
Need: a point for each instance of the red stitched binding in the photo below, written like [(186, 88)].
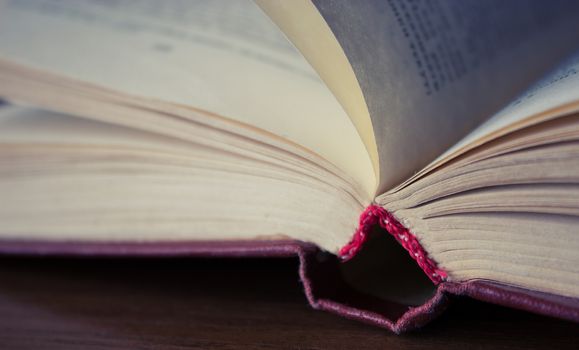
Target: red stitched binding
[(376, 215)]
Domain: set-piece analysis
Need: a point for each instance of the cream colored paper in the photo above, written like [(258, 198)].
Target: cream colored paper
[(223, 57)]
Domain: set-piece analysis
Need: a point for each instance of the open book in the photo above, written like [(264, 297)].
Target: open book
[(404, 151)]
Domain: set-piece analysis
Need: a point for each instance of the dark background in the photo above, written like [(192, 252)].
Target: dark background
[(62, 303)]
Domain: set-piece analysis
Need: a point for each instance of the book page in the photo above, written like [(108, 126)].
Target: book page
[(306, 28), (555, 95), (432, 71), (69, 179), (224, 57)]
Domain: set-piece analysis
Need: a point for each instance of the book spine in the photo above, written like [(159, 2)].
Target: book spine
[(374, 216)]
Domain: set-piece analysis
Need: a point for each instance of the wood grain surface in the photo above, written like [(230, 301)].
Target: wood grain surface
[(222, 304)]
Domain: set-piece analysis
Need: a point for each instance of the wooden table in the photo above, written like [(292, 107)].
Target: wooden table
[(222, 304)]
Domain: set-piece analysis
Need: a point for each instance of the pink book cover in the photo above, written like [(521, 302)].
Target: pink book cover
[(319, 271)]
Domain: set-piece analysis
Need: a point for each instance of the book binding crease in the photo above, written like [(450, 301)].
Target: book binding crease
[(375, 215)]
